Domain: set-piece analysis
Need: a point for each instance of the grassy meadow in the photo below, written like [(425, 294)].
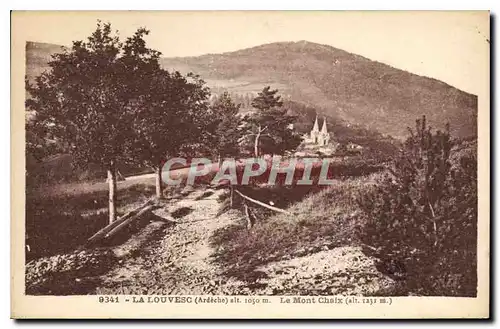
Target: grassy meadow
[(61, 218)]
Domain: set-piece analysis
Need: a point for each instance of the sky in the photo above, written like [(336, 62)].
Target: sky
[(448, 46)]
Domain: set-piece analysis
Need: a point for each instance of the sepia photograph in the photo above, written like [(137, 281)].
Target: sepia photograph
[(316, 159)]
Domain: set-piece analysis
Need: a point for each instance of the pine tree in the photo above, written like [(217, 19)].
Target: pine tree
[(228, 130), (424, 212), (270, 124)]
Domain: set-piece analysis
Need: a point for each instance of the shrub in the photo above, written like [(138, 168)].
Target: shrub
[(423, 214)]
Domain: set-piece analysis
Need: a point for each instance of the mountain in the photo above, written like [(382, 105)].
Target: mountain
[(345, 87), (338, 84), (38, 55)]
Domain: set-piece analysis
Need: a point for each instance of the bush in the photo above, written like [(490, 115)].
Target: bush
[(423, 214)]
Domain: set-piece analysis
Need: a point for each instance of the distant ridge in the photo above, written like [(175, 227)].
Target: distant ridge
[(337, 83)]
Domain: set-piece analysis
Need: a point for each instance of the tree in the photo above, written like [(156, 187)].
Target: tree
[(149, 90), (86, 99), (198, 119), (270, 125), (248, 100), (228, 130), (167, 118)]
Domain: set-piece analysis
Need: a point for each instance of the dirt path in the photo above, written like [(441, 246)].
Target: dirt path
[(177, 259)]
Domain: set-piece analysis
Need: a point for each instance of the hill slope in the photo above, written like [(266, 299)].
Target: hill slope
[(336, 83), (38, 55)]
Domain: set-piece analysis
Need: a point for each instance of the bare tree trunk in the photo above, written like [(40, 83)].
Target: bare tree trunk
[(248, 216), (159, 182), (256, 144), (112, 192)]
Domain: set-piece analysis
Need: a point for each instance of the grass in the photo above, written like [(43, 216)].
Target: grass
[(60, 220), (325, 219), (82, 189)]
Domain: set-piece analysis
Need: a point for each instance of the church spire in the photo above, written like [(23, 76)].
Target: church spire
[(324, 128), (316, 125)]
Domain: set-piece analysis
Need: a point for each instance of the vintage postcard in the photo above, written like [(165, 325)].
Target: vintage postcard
[(250, 164)]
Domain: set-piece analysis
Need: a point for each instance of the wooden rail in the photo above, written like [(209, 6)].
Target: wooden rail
[(102, 233), (262, 203), (127, 221)]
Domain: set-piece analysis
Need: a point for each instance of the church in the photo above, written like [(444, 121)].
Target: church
[(316, 136)]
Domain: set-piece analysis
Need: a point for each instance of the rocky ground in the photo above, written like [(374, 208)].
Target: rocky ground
[(169, 253)]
